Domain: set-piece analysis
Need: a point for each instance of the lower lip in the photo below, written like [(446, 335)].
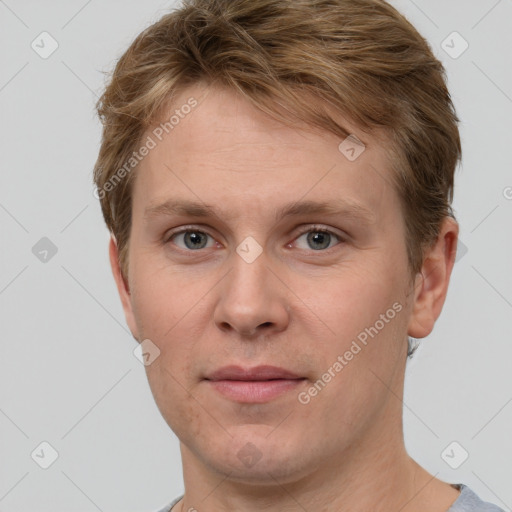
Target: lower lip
[(254, 391)]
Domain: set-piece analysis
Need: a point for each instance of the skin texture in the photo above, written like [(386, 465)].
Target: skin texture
[(295, 306)]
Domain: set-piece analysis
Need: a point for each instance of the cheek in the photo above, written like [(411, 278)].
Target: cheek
[(348, 301), (354, 377), (161, 299), (169, 311), (176, 404), (166, 311), (366, 320)]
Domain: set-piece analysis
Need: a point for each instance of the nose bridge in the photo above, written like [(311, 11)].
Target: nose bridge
[(247, 281), (250, 301)]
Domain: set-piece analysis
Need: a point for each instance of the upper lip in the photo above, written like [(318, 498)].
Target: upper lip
[(264, 372)]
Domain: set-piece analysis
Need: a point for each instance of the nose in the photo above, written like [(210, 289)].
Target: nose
[(252, 300)]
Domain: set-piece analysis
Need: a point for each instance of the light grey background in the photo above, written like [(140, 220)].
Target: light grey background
[(68, 375)]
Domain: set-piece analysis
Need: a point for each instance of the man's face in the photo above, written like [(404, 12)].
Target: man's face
[(250, 287)]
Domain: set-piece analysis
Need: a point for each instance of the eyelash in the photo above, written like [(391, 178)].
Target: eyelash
[(319, 229), (309, 229)]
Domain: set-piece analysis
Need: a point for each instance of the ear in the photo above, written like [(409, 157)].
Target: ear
[(431, 286), (122, 286)]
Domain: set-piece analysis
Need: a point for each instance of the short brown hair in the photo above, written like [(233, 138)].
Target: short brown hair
[(361, 58)]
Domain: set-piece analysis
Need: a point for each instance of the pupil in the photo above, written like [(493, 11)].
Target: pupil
[(193, 238), (319, 238)]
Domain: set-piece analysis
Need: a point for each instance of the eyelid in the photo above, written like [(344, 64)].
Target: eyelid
[(315, 228), (184, 229), (187, 227)]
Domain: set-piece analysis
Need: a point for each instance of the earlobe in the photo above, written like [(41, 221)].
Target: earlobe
[(122, 286), (431, 286)]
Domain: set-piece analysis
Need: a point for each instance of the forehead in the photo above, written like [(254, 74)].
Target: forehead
[(225, 150)]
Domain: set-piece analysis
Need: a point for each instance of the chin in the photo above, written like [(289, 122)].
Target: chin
[(255, 459)]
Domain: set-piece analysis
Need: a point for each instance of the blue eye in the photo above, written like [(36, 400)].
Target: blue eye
[(192, 239), (319, 239), (316, 239)]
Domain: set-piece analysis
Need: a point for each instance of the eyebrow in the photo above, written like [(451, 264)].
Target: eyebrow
[(340, 207)]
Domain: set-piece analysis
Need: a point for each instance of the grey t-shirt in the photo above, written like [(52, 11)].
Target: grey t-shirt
[(468, 501)]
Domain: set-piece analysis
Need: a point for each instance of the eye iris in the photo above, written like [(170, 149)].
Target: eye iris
[(194, 237), (318, 237)]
